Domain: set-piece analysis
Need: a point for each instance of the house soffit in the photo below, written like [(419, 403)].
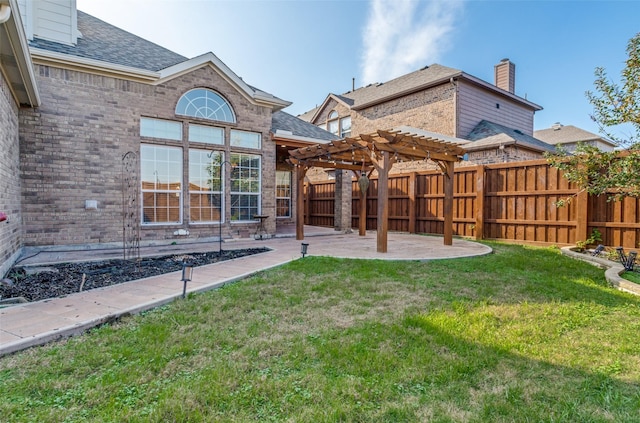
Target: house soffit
[(15, 60)]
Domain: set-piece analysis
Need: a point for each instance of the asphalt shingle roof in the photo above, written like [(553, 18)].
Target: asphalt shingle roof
[(284, 121), (105, 42), (397, 86), (564, 134), (488, 134)]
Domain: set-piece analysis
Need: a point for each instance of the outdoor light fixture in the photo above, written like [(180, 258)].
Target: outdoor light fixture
[(187, 272), (303, 249)]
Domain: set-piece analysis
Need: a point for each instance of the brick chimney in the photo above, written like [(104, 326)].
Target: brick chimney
[(505, 75)]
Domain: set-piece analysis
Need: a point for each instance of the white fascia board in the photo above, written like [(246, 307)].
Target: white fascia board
[(213, 61), (93, 66), (20, 47), (300, 138)]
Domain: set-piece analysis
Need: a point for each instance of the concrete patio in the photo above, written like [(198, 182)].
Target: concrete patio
[(31, 324)]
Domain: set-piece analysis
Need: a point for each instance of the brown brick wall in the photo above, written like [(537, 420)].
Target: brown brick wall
[(509, 154), (10, 230), (432, 110), (74, 143)]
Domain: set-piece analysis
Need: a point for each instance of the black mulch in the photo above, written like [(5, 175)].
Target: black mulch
[(57, 280)]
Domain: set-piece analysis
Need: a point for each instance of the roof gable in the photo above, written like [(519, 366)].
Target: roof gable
[(253, 94)]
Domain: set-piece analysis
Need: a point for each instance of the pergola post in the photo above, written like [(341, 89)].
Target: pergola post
[(300, 173), (448, 203), (362, 220), (383, 204)]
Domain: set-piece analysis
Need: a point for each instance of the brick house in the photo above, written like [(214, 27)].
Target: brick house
[(446, 101), (99, 124)]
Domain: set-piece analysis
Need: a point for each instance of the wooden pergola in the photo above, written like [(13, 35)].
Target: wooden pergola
[(379, 151)]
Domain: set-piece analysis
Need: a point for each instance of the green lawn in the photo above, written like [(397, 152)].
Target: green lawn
[(521, 335)]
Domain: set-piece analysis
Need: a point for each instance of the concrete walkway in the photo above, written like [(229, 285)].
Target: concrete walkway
[(26, 325)]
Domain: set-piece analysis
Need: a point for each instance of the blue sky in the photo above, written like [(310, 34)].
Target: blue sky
[(301, 50)]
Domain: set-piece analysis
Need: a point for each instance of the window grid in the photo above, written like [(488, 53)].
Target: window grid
[(205, 104)]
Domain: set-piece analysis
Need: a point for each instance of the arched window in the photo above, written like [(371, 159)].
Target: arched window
[(332, 123), (205, 104)]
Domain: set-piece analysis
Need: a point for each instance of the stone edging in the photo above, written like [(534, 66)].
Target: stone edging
[(612, 270)]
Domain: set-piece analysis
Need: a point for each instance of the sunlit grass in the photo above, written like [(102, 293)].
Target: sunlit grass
[(524, 334)]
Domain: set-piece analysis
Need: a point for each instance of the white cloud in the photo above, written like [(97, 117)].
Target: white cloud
[(401, 36)]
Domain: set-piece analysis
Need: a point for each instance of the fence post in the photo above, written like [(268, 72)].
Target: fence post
[(582, 221), (479, 212), (308, 192), (412, 203)]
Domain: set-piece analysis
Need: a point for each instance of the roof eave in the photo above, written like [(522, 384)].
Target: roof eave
[(291, 140), (20, 47), (46, 57)]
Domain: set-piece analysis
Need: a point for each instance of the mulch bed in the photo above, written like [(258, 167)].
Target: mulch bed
[(57, 280)]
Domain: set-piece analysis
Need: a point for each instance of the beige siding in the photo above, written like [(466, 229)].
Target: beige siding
[(55, 20), (476, 104)]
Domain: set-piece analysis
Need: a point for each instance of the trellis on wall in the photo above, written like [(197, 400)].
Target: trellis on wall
[(130, 207)]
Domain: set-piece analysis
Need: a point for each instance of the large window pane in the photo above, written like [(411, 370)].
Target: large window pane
[(161, 172), (205, 186), (158, 128), (206, 134), (283, 194), (345, 127), (245, 139), (245, 186)]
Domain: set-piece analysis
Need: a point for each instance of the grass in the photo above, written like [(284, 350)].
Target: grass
[(631, 276), (522, 335)]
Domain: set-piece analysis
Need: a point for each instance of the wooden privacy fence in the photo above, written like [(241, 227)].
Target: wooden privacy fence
[(508, 202)]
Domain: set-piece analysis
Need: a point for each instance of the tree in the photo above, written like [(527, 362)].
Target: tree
[(616, 174)]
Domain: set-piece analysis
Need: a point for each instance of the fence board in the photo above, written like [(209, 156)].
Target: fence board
[(517, 203)]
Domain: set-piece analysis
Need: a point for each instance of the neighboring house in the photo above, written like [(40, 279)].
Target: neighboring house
[(443, 100), (79, 98), (568, 137)]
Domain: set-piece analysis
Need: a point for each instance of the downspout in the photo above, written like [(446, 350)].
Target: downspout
[(455, 108), (5, 13)]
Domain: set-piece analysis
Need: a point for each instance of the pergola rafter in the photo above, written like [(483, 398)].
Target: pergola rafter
[(380, 150)]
